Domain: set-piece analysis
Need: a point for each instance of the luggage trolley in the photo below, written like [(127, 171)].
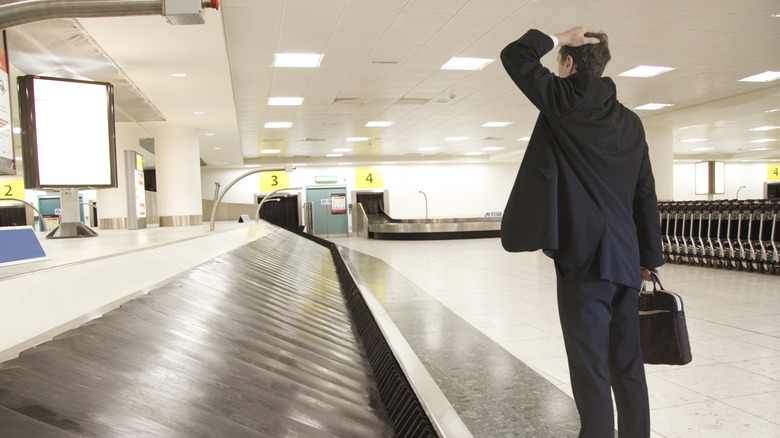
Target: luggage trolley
[(664, 209), (677, 233), (709, 227), (744, 223), (731, 248), (762, 243), (696, 249), (771, 245), (754, 245), (683, 233)]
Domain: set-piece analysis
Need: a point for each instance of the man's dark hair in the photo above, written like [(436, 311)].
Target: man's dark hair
[(589, 57)]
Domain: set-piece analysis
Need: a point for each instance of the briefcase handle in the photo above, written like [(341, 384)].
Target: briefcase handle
[(656, 281), (656, 284)]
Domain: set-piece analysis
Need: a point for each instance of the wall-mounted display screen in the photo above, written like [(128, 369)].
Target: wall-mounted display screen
[(68, 135), (7, 166)]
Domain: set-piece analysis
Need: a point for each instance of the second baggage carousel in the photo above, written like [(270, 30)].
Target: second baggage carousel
[(372, 222)]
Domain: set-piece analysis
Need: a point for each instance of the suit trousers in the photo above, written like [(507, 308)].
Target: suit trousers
[(600, 324)]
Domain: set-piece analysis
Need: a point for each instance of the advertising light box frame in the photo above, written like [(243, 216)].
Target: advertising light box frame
[(68, 133)]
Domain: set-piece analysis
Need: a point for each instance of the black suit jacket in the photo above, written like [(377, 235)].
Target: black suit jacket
[(585, 190)]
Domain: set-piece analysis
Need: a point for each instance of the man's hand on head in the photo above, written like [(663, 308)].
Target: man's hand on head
[(575, 37)]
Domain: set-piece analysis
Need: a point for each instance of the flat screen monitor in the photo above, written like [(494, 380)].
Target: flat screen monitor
[(68, 138), (7, 161)]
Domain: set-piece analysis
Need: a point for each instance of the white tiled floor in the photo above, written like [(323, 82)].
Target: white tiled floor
[(732, 387)]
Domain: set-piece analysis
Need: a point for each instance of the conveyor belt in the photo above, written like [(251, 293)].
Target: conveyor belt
[(382, 226), (258, 342)]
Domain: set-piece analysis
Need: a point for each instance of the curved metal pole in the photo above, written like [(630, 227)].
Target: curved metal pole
[(426, 204), (743, 187), (232, 183), (268, 197), (216, 191), (87, 203), (24, 202)]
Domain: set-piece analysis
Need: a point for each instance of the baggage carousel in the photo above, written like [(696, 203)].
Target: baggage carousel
[(372, 222), (272, 339)]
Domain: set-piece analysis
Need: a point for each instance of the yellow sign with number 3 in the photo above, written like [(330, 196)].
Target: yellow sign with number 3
[(270, 181)]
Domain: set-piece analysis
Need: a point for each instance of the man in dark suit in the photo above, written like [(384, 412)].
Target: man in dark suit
[(585, 194)]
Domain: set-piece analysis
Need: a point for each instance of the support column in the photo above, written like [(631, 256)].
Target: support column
[(660, 139), (112, 203), (177, 164)]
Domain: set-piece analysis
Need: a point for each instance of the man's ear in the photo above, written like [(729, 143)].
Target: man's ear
[(569, 64)]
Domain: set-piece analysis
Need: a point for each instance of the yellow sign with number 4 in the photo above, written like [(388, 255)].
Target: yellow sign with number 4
[(774, 172), (369, 178)]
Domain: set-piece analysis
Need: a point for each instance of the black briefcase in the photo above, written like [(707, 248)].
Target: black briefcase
[(662, 329)]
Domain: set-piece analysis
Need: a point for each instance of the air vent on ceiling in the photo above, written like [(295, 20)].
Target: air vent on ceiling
[(412, 100), (346, 100), (493, 138), (314, 139), (385, 62)]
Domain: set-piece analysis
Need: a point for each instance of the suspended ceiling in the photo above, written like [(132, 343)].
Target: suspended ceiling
[(382, 62)]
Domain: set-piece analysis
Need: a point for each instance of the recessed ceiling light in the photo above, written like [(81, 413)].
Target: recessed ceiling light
[(763, 140), (431, 162), (747, 161), (473, 153), (767, 76), (297, 60), (179, 75), (693, 140), (472, 64), (344, 164), (217, 149), (492, 148), (199, 113), (653, 106), (378, 124), (270, 151), (17, 130), (334, 155), (455, 138), (772, 110), (762, 149), (524, 138), (496, 124), (272, 125), (288, 101), (703, 149), (428, 149), (388, 162), (357, 138), (210, 134), (765, 128), (645, 71), (342, 150)]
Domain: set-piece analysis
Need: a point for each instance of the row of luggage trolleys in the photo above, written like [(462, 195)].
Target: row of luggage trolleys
[(732, 234)]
